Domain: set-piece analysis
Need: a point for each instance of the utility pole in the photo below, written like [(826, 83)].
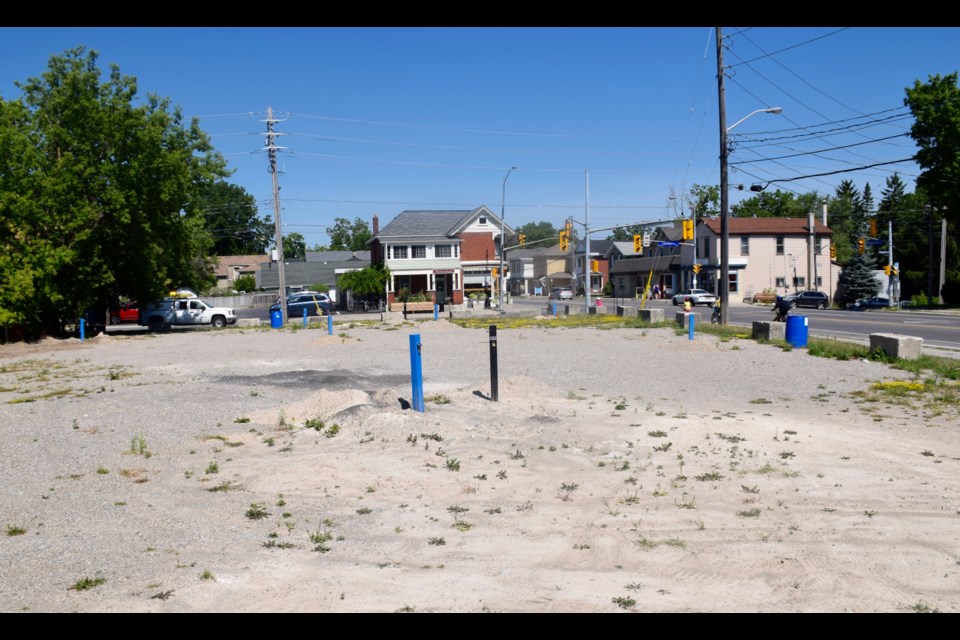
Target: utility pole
[(724, 196), (271, 150), (587, 269), (811, 253), (943, 255)]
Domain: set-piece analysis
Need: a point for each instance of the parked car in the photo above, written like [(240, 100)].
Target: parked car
[(697, 296), (876, 302), (561, 293), (129, 312), (316, 304), (808, 299)]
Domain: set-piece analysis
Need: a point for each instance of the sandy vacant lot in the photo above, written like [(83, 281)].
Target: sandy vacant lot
[(620, 471)]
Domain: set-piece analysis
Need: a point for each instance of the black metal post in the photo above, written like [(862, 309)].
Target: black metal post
[(494, 393)]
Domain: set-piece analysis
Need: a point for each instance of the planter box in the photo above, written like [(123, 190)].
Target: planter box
[(412, 307)]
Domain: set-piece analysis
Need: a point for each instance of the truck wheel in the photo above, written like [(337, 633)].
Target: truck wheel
[(155, 324), (218, 322)]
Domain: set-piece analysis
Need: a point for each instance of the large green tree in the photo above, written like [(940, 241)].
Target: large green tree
[(778, 204), (230, 214), (349, 236), (539, 234), (294, 246), (935, 106), (97, 195)]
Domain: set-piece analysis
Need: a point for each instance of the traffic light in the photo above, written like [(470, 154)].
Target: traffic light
[(522, 238), (861, 245), (495, 272), (833, 252), (696, 268), (594, 266), (873, 227), (886, 269), (564, 240), (688, 229), (637, 243)]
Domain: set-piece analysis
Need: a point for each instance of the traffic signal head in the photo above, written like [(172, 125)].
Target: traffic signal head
[(564, 240), (873, 227), (522, 238), (861, 245), (688, 229), (696, 268), (886, 269), (833, 252), (637, 243)]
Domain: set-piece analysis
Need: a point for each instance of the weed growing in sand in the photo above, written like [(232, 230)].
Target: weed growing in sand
[(207, 575), (453, 464), (922, 607), (364, 511), (437, 542), (87, 583), (659, 433), (663, 447), (761, 401), (436, 437), (709, 477), (242, 420), (14, 530), (138, 446), (257, 511), (213, 467), (751, 513), (438, 398)]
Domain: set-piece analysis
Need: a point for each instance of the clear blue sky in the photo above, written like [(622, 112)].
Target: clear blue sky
[(379, 120)]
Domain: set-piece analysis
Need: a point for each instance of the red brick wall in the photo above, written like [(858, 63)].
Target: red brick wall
[(477, 246)]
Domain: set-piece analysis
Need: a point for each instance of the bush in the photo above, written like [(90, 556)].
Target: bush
[(245, 283)]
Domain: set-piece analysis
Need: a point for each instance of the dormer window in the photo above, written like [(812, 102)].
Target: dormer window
[(482, 220)]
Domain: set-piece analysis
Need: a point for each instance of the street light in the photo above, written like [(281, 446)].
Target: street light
[(503, 204), (725, 198)]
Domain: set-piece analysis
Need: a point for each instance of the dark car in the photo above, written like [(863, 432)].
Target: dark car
[(316, 304), (875, 302), (808, 299)]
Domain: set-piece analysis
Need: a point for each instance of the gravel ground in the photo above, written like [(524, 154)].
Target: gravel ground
[(131, 465)]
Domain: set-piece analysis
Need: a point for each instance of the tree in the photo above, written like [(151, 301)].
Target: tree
[(98, 195), (246, 283), (778, 204), (294, 246), (857, 279), (535, 232), (703, 201), (626, 233), (230, 214), (935, 106), (347, 236), (369, 281)]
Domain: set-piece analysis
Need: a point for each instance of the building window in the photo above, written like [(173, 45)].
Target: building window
[(401, 284), (799, 282), (817, 245), (443, 251), (744, 246), (400, 252), (779, 245), (781, 282), (482, 220), (706, 248), (418, 251), (819, 281)]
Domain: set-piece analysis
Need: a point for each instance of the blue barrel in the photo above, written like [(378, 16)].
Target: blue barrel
[(796, 332), (276, 319)]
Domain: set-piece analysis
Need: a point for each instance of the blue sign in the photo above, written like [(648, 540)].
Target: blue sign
[(874, 242), (664, 243)]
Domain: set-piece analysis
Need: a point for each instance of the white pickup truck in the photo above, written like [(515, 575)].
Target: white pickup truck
[(184, 311)]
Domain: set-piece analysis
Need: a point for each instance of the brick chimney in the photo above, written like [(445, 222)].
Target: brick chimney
[(376, 224)]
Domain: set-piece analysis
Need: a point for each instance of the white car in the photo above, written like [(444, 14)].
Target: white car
[(697, 296), (561, 293)]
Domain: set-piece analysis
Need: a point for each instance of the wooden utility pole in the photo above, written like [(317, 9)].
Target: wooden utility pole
[(271, 150)]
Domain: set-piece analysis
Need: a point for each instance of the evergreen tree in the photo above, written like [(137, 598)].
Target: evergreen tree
[(857, 279)]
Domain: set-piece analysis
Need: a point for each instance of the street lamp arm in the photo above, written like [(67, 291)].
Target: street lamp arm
[(503, 241), (753, 113)]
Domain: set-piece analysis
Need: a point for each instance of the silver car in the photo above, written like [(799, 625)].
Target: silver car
[(561, 293), (697, 296)]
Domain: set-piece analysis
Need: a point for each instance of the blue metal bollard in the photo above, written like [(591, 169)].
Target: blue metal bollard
[(436, 311), (554, 309), (691, 321), (82, 323), (330, 324), (304, 317), (416, 372)]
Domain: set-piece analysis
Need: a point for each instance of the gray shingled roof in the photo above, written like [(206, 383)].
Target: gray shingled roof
[(337, 256), (424, 225)]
